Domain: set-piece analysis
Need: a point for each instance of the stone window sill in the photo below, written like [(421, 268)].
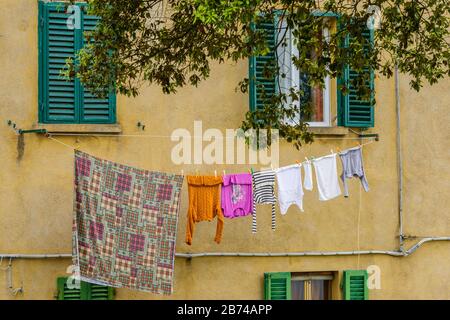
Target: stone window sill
[(80, 128), (329, 131)]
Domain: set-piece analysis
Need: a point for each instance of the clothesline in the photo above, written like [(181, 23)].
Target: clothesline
[(182, 171), (177, 136)]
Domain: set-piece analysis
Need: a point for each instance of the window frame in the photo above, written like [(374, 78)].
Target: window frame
[(293, 81), (278, 285), (80, 94)]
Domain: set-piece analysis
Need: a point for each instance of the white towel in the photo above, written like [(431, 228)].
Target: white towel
[(308, 180), (327, 177), (290, 189)]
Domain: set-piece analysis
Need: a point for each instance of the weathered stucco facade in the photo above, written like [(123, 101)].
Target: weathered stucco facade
[(37, 186)]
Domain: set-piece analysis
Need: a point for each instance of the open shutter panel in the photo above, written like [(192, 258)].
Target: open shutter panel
[(64, 293), (98, 292), (95, 109), (262, 87), (57, 43), (355, 285), (277, 286), (353, 110)]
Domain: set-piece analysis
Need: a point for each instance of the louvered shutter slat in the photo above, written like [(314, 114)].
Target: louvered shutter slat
[(354, 111), (87, 291), (355, 285), (62, 101), (99, 292), (58, 44), (95, 109), (64, 293), (277, 286), (262, 87)]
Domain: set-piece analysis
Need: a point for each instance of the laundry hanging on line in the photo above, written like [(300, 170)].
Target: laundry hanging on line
[(237, 195), (125, 219), (125, 225), (263, 193), (327, 177), (308, 180), (204, 204), (290, 189), (289, 185), (352, 166)]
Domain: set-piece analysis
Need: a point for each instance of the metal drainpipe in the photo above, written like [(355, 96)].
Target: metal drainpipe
[(257, 254), (399, 159)]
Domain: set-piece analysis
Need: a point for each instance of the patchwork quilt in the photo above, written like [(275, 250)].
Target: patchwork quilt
[(125, 224)]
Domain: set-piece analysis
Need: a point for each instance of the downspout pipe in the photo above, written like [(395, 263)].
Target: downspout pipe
[(399, 159)]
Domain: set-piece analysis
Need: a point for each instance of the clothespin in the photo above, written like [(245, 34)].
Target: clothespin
[(331, 151), (196, 172), (215, 173), (251, 170), (306, 159), (271, 166), (224, 172)]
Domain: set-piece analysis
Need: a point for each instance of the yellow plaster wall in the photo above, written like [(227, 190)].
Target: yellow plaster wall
[(36, 190)]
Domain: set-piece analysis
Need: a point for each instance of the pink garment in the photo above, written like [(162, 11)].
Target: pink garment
[(237, 197)]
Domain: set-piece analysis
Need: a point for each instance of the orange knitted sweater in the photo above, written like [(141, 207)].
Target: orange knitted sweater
[(204, 204)]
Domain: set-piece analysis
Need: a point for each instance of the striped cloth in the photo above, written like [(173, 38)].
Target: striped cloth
[(263, 193)]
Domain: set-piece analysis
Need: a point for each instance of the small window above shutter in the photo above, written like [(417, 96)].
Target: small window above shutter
[(277, 286), (354, 111), (262, 87), (355, 285)]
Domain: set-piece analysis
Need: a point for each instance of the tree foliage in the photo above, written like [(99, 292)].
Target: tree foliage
[(172, 43)]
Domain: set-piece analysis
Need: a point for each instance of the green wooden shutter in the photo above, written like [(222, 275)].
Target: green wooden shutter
[(98, 292), (277, 286), (62, 101), (87, 291), (352, 110), (64, 293), (94, 109), (57, 97), (262, 87), (355, 285)]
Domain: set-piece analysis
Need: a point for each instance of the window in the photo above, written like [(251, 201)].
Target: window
[(87, 291), (62, 101), (311, 286), (348, 109), (318, 112), (298, 286), (315, 285)]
